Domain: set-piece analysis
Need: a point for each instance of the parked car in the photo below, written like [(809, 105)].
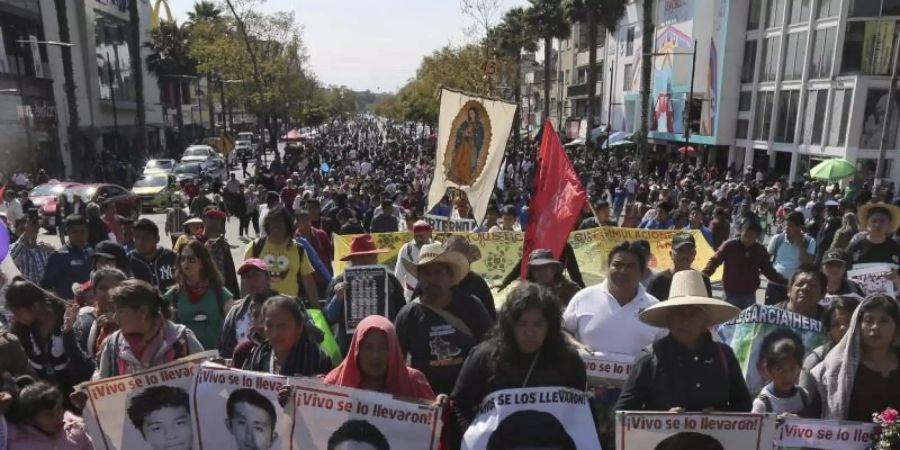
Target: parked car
[(160, 166), (46, 198), (127, 203), (215, 169), (187, 171), (156, 190), (198, 153), (242, 148)]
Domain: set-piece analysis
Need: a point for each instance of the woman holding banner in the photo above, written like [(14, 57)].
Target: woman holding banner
[(687, 370), (861, 374), (527, 349), (291, 347), (146, 336), (375, 362)]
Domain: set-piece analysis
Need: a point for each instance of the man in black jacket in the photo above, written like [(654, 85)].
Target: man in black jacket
[(149, 261)]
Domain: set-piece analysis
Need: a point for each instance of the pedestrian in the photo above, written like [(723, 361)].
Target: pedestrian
[(683, 253), (834, 266), (546, 271), (71, 263), (213, 237), (176, 216), (686, 371), (291, 268), (97, 228), (849, 228), (836, 322), (290, 347), (251, 212), (255, 279), (422, 234), (462, 319), (472, 284), (95, 321), (880, 221), (199, 297), (38, 420), (789, 250), (150, 261), (29, 255), (780, 360), (147, 337)]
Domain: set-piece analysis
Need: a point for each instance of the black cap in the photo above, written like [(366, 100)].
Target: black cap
[(110, 250), (681, 239), (834, 255), (542, 257)]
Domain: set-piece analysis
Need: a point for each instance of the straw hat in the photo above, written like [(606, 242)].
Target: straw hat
[(688, 289), (893, 211), (436, 253)]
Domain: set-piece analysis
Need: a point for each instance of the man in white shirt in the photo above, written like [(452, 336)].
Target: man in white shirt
[(410, 252), (604, 317)]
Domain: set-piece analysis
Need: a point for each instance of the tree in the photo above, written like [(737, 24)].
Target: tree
[(512, 36), (593, 14), (76, 143), (547, 19), (647, 49), (170, 62), (205, 11), (137, 71)]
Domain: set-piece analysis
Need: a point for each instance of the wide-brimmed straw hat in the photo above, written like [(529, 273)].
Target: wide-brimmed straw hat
[(893, 211), (688, 289), (437, 253), (363, 245)]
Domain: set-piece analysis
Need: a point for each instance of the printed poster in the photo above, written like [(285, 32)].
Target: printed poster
[(606, 375), (874, 279), (745, 335), (817, 434), (366, 294), (149, 410), (547, 417), (238, 410), (335, 417), (669, 431)]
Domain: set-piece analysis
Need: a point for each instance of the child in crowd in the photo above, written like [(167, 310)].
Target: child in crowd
[(40, 422), (780, 360)]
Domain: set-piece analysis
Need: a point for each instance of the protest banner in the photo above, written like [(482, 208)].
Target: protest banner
[(546, 417), (798, 432), (366, 294), (325, 416), (606, 374), (746, 333), (238, 409), (443, 224), (670, 431), (148, 410), (501, 252), (874, 278)]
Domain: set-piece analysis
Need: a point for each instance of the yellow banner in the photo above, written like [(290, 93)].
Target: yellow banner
[(501, 252)]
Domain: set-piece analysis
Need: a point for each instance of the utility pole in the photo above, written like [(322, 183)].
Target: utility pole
[(882, 148), (690, 100)]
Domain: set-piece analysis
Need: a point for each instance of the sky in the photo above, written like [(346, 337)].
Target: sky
[(368, 44)]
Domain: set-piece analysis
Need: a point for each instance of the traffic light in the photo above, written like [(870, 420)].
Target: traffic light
[(693, 110)]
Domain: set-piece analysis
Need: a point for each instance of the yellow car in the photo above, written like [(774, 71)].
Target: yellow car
[(156, 190)]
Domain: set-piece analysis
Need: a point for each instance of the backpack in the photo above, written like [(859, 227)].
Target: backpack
[(763, 397)]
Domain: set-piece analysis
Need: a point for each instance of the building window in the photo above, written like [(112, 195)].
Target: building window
[(769, 59), (829, 8), (741, 130), (799, 11), (581, 73), (753, 15), (629, 41), (840, 111), (795, 54), (865, 8), (873, 120), (763, 116), (744, 101), (113, 59), (788, 102), (823, 53), (20, 58), (814, 117), (868, 47), (626, 78), (749, 67), (774, 13)]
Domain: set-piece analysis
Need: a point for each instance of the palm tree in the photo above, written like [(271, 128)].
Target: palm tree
[(547, 19), (594, 13), (205, 10), (137, 71), (513, 35), (73, 130), (647, 49), (169, 61)]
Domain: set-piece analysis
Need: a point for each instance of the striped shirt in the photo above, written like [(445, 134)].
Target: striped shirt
[(31, 257)]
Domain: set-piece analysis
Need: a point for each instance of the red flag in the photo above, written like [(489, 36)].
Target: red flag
[(556, 202)]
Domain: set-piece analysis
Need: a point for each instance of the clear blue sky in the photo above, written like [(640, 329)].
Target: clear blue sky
[(368, 44)]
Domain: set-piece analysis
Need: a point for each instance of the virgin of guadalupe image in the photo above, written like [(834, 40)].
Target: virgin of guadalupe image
[(468, 147)]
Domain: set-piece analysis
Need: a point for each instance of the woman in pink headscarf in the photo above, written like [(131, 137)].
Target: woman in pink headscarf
[(375, 362)]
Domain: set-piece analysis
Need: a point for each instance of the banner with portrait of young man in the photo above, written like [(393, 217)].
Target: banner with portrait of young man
[(149, 410)]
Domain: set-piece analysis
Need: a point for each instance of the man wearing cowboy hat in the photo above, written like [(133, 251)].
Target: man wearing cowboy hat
[(687, 370), (422, 233), (880, 220), (363, 252), (438, 329)]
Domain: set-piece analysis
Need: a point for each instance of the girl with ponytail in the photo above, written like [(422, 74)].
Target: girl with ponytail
[(146, 337)]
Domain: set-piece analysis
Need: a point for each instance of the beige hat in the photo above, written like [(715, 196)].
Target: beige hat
[(688, 289), (892, 210), (436, 253)]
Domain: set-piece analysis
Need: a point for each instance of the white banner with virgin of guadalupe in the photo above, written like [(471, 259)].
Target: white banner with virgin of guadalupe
[(472, 135), (545, 417)]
